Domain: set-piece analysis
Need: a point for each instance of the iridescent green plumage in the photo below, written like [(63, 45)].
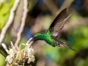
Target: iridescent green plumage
[(47, 37)]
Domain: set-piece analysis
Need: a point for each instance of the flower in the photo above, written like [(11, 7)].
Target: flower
[(11, 52), (17, 54), (31, 59), (29, 52), (9, 59)]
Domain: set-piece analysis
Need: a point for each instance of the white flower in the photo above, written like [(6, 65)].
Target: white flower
[(4, 46), (9, 59), (11, 52), (17, 54), (29, 52), (31, 59)]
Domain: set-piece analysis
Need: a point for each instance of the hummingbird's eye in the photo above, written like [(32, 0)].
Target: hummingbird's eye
[(34, 38)]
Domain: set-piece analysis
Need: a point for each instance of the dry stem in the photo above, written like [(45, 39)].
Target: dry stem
[(9, 22), (23, 22)]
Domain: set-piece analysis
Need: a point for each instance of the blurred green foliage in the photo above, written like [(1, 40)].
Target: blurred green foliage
[(80, 36), (5, 11), (2, 60), (31, 4)]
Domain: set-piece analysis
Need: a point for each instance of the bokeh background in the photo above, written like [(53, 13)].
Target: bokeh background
[(40, 15)]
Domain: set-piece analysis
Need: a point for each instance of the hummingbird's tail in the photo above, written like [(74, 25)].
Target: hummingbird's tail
[(65, 45)]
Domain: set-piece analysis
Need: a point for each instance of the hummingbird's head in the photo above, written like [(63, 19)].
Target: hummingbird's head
[(37, 36)]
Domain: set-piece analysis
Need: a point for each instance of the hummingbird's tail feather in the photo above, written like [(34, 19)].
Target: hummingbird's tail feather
[(65, 45)]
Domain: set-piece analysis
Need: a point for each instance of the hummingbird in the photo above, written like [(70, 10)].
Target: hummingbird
[(51, 35)]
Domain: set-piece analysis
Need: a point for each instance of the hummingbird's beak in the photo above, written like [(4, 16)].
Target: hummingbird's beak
[(34, 38), (31, 39)]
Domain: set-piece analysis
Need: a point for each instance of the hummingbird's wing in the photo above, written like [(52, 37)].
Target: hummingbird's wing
[(59, 22), (65, 45)]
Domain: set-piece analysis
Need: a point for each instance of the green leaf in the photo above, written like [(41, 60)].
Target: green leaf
[(5, 8), (2, 60)]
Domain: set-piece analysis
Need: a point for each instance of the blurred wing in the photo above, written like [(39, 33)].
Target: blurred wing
[(65, 45), (59, 22)]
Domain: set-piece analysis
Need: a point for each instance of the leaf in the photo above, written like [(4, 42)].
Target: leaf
[(5, 8)]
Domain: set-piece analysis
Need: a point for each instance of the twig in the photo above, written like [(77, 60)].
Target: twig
[(9, 22), (17, 20), (23, 22), (66, 4), (51, 6)]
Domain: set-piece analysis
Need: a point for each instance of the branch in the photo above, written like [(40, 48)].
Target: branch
[(66, 4), (51, 6), (9, 22), (23, 22), (17, 20)]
